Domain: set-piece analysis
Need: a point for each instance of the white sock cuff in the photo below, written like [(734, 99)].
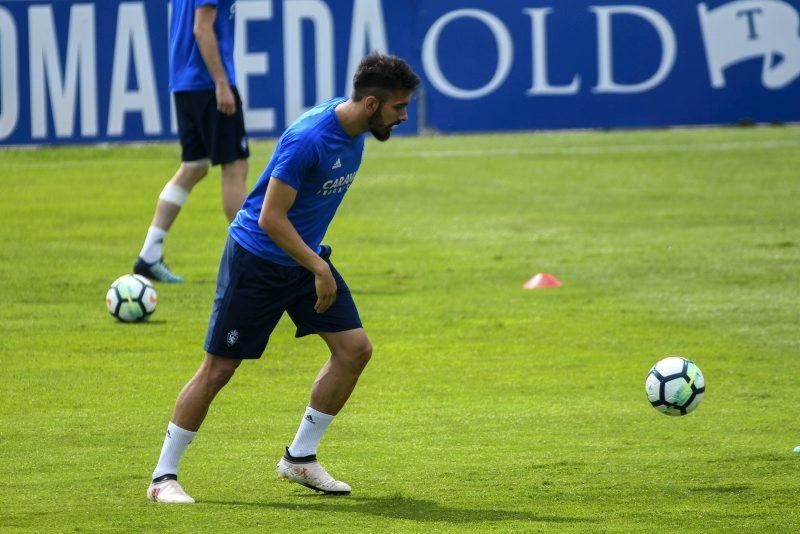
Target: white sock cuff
[(177, 432), (156, 233), (174, 194), (319, 416)]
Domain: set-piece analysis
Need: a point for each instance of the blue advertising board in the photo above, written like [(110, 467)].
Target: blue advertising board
[(96, 71)]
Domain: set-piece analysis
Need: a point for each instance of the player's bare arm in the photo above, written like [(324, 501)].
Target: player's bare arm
[(204, 18), (274, 220)]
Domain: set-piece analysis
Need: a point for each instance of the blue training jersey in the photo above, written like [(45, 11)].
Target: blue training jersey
[(187, 70), (316, 157)]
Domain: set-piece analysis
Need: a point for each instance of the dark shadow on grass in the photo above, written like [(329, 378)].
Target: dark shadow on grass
[(401, 507), (203, 281), (721, 489), (143, 324)]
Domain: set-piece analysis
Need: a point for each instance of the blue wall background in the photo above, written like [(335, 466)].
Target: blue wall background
[(486, 66)]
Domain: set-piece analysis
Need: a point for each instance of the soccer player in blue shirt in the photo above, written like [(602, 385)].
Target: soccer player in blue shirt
[(210, 121), (274, 262)]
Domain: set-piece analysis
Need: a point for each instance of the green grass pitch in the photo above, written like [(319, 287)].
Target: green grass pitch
[(486, 407)]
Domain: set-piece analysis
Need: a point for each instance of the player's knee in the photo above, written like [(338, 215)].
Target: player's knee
[(360, 355), (235, 171), (366, 355), (198, 173), (219, 377), (192, 172), (218, 372)]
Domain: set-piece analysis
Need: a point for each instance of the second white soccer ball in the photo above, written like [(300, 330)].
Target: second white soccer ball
[(131, 298), (675, 386)]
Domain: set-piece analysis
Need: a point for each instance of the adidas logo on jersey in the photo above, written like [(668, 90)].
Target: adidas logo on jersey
[(338, 163)]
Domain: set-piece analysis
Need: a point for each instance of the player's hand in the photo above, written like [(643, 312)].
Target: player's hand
[(225, 102), (325, 285)]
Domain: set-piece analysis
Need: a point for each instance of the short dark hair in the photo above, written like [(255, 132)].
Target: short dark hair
[(381, 75)]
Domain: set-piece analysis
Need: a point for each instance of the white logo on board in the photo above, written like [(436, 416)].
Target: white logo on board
[(748, 29)]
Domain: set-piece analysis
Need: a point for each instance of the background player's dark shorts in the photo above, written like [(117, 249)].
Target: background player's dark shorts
[(205, 132), (252, 294)]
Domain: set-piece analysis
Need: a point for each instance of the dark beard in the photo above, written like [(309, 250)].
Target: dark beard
[(377, 127), (381, 135)]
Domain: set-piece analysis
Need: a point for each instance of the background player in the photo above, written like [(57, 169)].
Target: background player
[(210, 121)]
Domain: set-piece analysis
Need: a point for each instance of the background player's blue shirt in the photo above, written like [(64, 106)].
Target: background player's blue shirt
[(316, 157), (187, 70)]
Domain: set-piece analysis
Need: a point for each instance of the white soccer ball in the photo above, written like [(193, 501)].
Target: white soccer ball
[(675, 386), (131, 298)]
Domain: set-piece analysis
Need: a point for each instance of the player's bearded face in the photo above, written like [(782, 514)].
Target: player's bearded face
[(380, 130)]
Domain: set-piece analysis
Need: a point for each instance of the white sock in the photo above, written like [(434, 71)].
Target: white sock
[(153, 245), (175, 444), (312, 427)]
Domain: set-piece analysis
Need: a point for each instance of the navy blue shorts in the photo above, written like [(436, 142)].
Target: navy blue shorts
[(206, 132), (252, 294)]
